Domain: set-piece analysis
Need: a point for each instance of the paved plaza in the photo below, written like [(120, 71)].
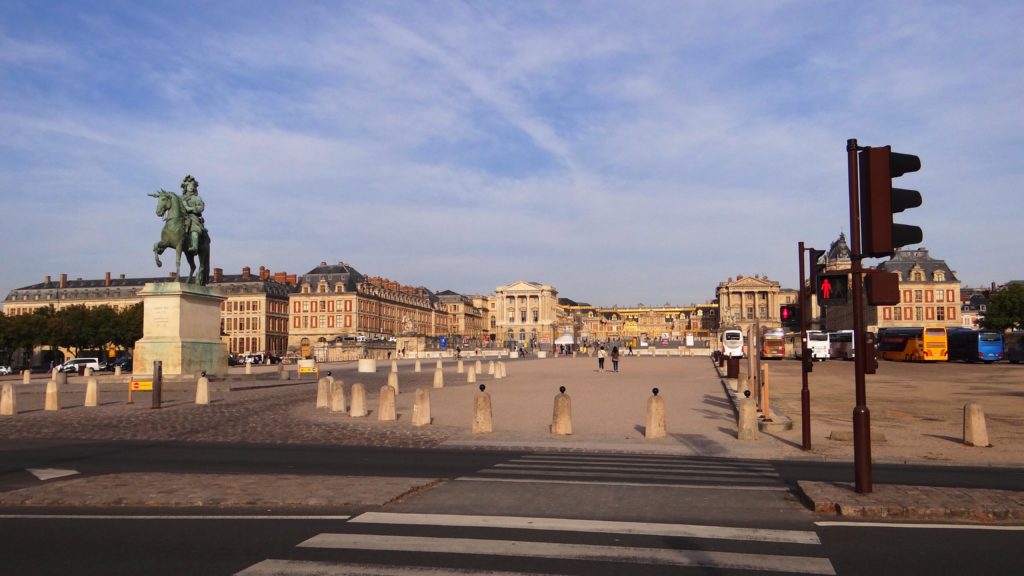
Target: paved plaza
[(916, 412)]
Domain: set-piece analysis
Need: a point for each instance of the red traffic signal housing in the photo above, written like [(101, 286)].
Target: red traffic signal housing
[(832, 288), (879, 200), (790, 315)]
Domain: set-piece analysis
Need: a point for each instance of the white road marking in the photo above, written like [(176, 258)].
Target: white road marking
[(643, 484), (915, 526), (572, 473), (583, 552), (51, 473), (162, 517), (570, 525), (313, 568), (718, 471)]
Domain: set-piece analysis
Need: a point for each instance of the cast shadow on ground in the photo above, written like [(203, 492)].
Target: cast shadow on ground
[(952, 439)]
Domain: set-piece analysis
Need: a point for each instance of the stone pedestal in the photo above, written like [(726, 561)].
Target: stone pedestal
[(181, 328)]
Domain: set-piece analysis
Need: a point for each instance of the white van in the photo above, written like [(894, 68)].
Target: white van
[(74, 364)]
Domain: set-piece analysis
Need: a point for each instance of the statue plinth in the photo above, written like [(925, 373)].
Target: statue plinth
[(181, 328)]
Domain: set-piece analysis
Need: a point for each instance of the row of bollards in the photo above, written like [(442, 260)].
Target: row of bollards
[(51, 403)]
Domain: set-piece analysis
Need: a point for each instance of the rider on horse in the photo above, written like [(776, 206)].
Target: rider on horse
[(193, 206)]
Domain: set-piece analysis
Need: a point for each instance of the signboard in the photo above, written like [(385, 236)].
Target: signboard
[(443, 340), (137, 385)]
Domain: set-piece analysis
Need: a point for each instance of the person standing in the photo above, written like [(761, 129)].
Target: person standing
[(615, 359), (600, 358)]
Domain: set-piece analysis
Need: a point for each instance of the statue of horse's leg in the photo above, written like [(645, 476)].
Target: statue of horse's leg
[(157, 251), (191, 267), (177, 263)]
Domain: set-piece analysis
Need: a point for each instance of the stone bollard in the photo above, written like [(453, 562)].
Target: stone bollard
[(338, 396), (282, 374), (482, 420), (490, 368), (117, 370), (470, 375), (91, 392), (417, 367), (203, 390), (52, 395), (746, 422), (386, 405), (88, 371), (323, 393), (61, 378), (561, 419), (358, 407), (439, 365), (248, 368), (479, 367), (8, 403), (438, 376), (460, 368), (394, 365), (26, 376), (655, 425), (393, 381), (367, 365), (975, 431), (500, 368), (421, 408)]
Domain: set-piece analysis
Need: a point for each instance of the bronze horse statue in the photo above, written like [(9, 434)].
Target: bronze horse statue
[(175, 235)]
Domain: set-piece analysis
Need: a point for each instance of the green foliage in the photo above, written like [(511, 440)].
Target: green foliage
[(75, 327), (1005, 309)]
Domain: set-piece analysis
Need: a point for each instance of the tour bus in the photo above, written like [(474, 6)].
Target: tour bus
[(973, 345), (732, 343), (841, 345), (917, 344), (1013, 346), (773, 343), (817, 343)]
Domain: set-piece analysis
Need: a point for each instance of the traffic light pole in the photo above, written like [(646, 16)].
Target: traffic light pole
[(861, 414), (805, 391)]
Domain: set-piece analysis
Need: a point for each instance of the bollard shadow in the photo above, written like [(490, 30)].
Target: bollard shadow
[(717, 401), (952, 439), (700, 444)]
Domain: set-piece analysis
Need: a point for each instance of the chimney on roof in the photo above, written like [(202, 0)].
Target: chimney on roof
[(218, 274), (245, 273), (322, 263), (106, 279), (63, 280), (121, 276), (46, 280)]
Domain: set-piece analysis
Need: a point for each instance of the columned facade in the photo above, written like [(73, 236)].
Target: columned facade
[(526, 314), (748, 300)]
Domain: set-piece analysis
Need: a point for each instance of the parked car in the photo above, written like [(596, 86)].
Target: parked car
[(77, 364), (5, 370)]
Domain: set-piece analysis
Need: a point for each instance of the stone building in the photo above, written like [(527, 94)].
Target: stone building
[(335, 304), (751, 299), (929, 295), (253, 318), (638, 324), (525, 314), (467, 319)]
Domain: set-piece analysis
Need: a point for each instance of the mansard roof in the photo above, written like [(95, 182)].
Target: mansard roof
[(906, 260), (334, 273), (839, 250)]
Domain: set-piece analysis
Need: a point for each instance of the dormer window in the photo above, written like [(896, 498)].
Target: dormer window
[(939, 276)]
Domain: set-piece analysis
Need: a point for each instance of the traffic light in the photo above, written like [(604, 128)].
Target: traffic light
[(815, 267), (832, 289), (790, 315), (879, 200)]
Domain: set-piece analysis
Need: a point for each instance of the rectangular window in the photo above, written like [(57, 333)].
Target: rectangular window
[(908, 312), (330, 306), (296, 307), (522, 315), (323, 322), (928, 296), (940, 313), (305, 305), (887, 313), (952, 312), (940, 295), (917, 295), (897, 313), (536, 316), (348, 321), (918, 314), (750, 312), (305, 321), (906, 296), (348, 305), (949, 296), (295, 322), (929, 313)]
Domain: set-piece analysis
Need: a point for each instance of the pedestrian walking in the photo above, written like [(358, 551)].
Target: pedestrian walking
[(615, 359), (600, 358)]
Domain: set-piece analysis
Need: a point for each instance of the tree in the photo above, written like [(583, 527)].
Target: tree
[(1005, 308)]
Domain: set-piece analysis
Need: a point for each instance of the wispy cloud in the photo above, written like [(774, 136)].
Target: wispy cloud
[(621, 152)]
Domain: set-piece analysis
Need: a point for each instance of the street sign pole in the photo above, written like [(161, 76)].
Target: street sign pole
[(805, 391), (861, 414)]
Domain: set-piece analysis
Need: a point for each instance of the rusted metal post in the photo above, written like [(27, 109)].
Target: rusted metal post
[(805, 391), (158, 377)]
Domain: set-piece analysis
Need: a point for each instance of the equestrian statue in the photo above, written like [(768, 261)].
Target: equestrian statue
[(184, 230)]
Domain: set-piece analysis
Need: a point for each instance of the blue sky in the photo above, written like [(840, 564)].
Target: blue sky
[(624, 152)]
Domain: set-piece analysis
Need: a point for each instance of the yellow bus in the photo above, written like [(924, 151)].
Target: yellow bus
[(918, 344)]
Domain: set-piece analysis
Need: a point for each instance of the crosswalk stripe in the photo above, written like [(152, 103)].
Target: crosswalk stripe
[(582, 552), (571, 525), (678, 469), (780, 488), (643, 459), (320, 568), (575, 474)]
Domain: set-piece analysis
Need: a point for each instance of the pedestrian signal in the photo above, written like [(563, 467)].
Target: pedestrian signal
[(832, 289)]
